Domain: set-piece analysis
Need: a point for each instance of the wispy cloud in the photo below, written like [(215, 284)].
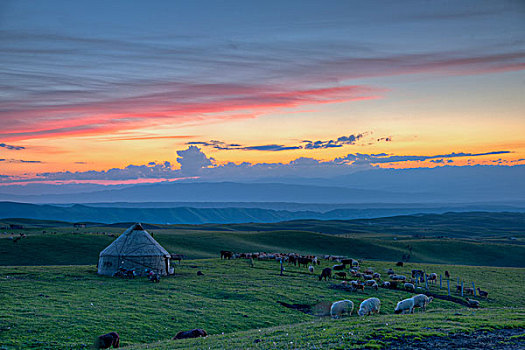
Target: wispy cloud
[(20, 161), (360, 158), (305, 144), (11, 147)]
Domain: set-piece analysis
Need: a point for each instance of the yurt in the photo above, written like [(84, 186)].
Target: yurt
[(134, 249)]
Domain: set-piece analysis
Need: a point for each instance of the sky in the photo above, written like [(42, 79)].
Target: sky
[(120, 91)]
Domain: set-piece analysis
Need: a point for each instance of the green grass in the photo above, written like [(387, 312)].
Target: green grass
[(66, 306), (77, 247)]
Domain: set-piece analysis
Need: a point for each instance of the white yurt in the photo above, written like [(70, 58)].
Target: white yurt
[(134, 249)]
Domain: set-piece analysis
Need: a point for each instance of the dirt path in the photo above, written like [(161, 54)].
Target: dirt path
[(498, 339)]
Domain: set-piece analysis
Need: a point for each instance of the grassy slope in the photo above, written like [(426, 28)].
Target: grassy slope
[(62, 307), (76, 247)]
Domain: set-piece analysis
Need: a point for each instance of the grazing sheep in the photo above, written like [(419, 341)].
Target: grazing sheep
[(386, 284), (473, 303), (468, 291), (417, 273), (107, 340), (390, 272), (421, 300), (369, 271), (193, 333), (372, 283), (311, 269), (326, 273), (340, 307), (376, 275), (398, 277), (483, 293), (368, 277), (405, 306), (341, 274), (369, 306), (356, 285), (410, 287)]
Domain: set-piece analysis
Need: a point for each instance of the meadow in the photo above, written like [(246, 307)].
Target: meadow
[(51, 307), (52, 298)]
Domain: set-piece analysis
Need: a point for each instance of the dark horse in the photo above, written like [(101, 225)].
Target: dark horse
[(107, 340), (226, 254), (304, 261)]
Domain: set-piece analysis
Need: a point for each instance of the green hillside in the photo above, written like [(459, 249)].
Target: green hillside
[(66, 307)]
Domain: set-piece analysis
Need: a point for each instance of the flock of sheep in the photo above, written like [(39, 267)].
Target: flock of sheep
[(361, 279), (373, 305)]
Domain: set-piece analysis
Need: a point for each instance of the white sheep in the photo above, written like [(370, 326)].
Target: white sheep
[(376, 275), (369, 306), (405, 306), (340, 307), (311, 269), (398, 277), (421, 300), (371, 283), (410, 287)]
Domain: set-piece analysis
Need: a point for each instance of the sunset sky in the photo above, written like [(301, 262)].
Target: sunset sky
[(334, 85)]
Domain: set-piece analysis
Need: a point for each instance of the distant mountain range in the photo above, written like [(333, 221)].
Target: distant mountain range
[(437, 185), (218, 215)]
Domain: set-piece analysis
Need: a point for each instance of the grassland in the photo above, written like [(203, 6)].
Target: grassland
[(52, 298), (52, 307)]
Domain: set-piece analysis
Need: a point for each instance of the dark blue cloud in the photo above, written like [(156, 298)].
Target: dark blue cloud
[(11, 147)]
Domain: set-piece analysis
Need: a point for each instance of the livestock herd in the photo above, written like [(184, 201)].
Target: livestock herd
[(356, 279)]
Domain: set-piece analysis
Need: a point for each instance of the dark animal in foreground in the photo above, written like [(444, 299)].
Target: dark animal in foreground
[(226, 254), (193, 333), (399, 263), (107, 340), (326, 273)]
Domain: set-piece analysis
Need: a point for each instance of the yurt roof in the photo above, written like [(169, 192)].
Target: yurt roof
[(135, 241)]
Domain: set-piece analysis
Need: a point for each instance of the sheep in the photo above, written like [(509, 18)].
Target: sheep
[(421, 300), (376, 275), (326, 273), (369, 306), (340, 307), (368, 277), (483, 293), (473, 303), (107, 340), (410, 287), (386, 284), (338, 267), (369, 271), (390, 272), (398, 277), (311, 269), (372, 283), (468, 291), (405, 306)]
